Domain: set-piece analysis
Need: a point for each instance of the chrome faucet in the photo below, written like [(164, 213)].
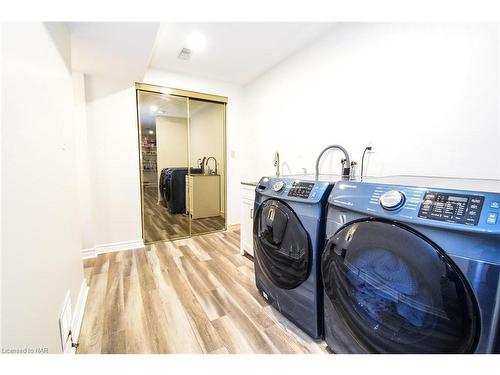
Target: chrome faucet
[(345, 167), (277, 163), (215, 161), (203, 164)]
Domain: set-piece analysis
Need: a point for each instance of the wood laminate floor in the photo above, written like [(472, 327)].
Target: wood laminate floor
[(196, 295), (160, 224)]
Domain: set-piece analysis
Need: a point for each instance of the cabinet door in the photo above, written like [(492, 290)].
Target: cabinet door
[(246, 229)]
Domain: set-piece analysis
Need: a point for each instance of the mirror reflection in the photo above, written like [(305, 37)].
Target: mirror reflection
[(164, 153), (206, 189), (182, 166)]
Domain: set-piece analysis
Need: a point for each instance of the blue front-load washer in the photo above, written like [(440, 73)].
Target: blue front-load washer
[(288, 238), (412, 265)]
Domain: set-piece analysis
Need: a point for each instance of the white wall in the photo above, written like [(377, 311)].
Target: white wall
[(87, 227), (426, 96), (171, 142), (114, 160), (235, 129), (40, 219)]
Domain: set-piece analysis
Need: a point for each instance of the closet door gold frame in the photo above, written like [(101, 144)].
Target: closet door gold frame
[(189, 95)]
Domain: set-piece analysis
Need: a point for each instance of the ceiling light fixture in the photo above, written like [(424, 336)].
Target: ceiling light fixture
[(153, 108), (196, 42), (151, 132)]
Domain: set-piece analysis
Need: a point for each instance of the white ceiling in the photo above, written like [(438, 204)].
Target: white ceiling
[(235, 52), (113, 49)]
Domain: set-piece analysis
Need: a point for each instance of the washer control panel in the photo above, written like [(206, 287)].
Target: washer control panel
[(301, 189), (452, 208), (295, 190)]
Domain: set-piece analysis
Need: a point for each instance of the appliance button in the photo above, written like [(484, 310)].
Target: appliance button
[(392, 200), (495, 205), (278, 186), (492, 218)]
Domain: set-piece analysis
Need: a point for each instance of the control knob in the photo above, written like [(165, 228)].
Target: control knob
[(392, 200), (278, 186)]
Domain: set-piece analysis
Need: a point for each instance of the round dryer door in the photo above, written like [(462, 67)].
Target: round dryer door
[(282, 245), (395, 292)]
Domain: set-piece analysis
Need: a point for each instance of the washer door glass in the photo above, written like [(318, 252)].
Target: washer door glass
[(396, 292), (282, 245)]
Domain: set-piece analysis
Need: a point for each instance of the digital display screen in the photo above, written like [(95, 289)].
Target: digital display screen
[(303, 185), (460, 209), (301, 189), (457, 199)]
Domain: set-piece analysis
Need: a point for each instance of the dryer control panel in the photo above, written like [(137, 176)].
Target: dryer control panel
[(452, 208), (467, 210)]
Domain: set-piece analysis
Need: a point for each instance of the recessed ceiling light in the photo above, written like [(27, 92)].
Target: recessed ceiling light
[(153, 108), (151, 132), (196, 42)]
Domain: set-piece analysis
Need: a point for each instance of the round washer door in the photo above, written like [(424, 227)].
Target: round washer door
[(282, 246), (396, 292)]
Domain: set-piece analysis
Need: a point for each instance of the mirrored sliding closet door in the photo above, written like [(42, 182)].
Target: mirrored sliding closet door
[(182, 163), (207, 189)]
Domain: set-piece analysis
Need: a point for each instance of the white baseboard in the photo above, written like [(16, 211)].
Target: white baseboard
[(88, 253), (111, 248), (76, 323), (119, 246)]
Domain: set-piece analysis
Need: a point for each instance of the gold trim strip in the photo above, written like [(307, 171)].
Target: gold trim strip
[(188, 122), (179, 92), (139, 147)]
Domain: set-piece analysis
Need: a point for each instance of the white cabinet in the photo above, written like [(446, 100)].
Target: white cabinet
[(246, 221), (203, 195)]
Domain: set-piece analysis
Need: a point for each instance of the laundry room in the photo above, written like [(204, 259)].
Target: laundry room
[(287, 185)]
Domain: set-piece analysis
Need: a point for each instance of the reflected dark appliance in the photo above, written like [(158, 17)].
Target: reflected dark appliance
[(288, 239), (172, 186), (412, 265)]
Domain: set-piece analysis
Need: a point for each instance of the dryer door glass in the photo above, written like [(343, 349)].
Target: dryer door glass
[(282, 245), (395, 292)]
